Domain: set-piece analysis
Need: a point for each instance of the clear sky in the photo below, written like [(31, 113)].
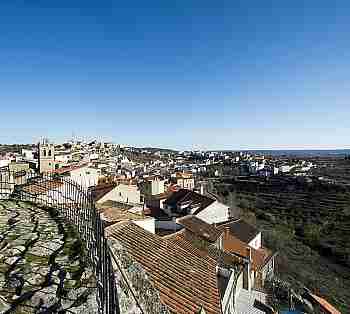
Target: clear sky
[(182, 74)]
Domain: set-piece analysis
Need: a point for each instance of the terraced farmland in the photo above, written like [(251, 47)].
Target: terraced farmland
[(334, 169), (309, 223)]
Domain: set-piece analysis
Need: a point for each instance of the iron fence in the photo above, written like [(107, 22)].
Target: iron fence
[(75, 204)]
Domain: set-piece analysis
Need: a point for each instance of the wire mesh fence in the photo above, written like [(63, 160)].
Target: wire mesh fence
[(75, 204)]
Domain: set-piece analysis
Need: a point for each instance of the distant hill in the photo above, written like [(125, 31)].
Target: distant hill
[(157, 149), (15, 148)]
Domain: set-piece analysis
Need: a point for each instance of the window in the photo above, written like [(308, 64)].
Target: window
[(49, 153), (44, 152)]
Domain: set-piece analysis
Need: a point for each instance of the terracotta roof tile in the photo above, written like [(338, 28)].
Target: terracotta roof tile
[(236, 246), (68, 169), (189, 241), (241, 229), (42, 187), (115, 214), (185, 280), (98, 191), (200, 227)]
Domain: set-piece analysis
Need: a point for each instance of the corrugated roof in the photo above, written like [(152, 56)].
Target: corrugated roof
[(186, 281)]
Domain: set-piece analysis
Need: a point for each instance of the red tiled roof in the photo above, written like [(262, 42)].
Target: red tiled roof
[(116, 214), (200, 227), (236, 246), (68, 169), (240, 229), (189, 241), (98, 191), (186, 281), (42, 187)]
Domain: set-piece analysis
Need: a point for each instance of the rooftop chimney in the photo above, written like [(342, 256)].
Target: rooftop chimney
[(249, 253)]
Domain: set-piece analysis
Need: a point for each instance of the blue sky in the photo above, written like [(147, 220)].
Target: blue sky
[(182, 74)]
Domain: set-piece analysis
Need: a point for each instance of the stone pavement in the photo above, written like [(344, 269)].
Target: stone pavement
[(43, 268)]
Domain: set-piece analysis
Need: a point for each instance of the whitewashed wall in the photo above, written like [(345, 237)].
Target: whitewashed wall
[(4, 162), (147, 224), (123, 193), (256, 242), (214, 213), (85, 176)]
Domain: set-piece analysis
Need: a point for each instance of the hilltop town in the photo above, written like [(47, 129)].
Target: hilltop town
[(187, 232)]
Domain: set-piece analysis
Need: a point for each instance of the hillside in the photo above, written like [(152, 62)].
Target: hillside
[(309, 223), (334, 169)]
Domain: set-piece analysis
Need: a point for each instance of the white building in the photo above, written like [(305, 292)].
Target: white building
[(154, 185), (184, 180), (214, 213), (186, 202), (285, 168), (63, 158), (85, 176), (28, 154), (4, 162), (123, 193)]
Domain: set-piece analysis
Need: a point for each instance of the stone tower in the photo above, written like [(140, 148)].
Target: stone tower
[(46, 156)]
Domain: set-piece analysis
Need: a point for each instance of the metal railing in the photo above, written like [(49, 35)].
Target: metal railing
[(75, 204)]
